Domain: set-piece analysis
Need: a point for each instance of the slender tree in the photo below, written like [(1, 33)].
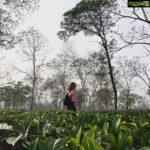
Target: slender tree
[(93, 18), (141, 70), (59, 78), (33, 44), (100, 81), (127, 80)]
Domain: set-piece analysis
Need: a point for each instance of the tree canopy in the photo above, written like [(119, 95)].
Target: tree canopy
[(11, 11), (91, 17)]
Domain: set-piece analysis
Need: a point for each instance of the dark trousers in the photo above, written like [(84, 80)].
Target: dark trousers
[(71, 106)]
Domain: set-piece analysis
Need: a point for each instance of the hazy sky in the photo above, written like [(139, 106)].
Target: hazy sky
[(47, 19)]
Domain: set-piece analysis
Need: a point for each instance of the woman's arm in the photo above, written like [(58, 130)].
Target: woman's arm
[(73, 96)]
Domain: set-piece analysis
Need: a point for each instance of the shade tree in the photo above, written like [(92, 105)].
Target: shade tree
[(93, 18), (33, 52), (59, 78)]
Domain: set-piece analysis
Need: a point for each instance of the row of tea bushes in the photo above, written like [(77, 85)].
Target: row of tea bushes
[(66, 130)]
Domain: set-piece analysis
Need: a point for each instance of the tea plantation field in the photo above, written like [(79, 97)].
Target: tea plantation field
[(66, 130)]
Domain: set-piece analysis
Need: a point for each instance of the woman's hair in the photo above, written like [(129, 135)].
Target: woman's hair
[(72, 86)]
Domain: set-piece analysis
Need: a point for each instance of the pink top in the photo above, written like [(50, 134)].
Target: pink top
[(73, 96)]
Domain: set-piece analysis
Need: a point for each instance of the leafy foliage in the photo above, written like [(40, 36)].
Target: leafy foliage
[(15, 96), (89, 17), (11, 11), (44, 130)]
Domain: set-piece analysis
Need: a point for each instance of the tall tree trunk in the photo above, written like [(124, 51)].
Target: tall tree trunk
[(32, 95), (112, 78), (14, 102), (110, 71), (34, 79)]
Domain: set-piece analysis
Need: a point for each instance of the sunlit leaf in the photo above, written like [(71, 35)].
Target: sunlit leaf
[(117, 123), (5, 126), (78, 136), (13, 140)]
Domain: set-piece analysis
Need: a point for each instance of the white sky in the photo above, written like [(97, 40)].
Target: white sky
[(47, 19)]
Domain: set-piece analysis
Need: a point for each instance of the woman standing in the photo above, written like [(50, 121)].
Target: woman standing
[(73, 96)]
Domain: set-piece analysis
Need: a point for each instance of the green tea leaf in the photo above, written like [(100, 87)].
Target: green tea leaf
[(78, 136), (91, 132), (105, 128), (42, 145), (117, 123), (33, 146)]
